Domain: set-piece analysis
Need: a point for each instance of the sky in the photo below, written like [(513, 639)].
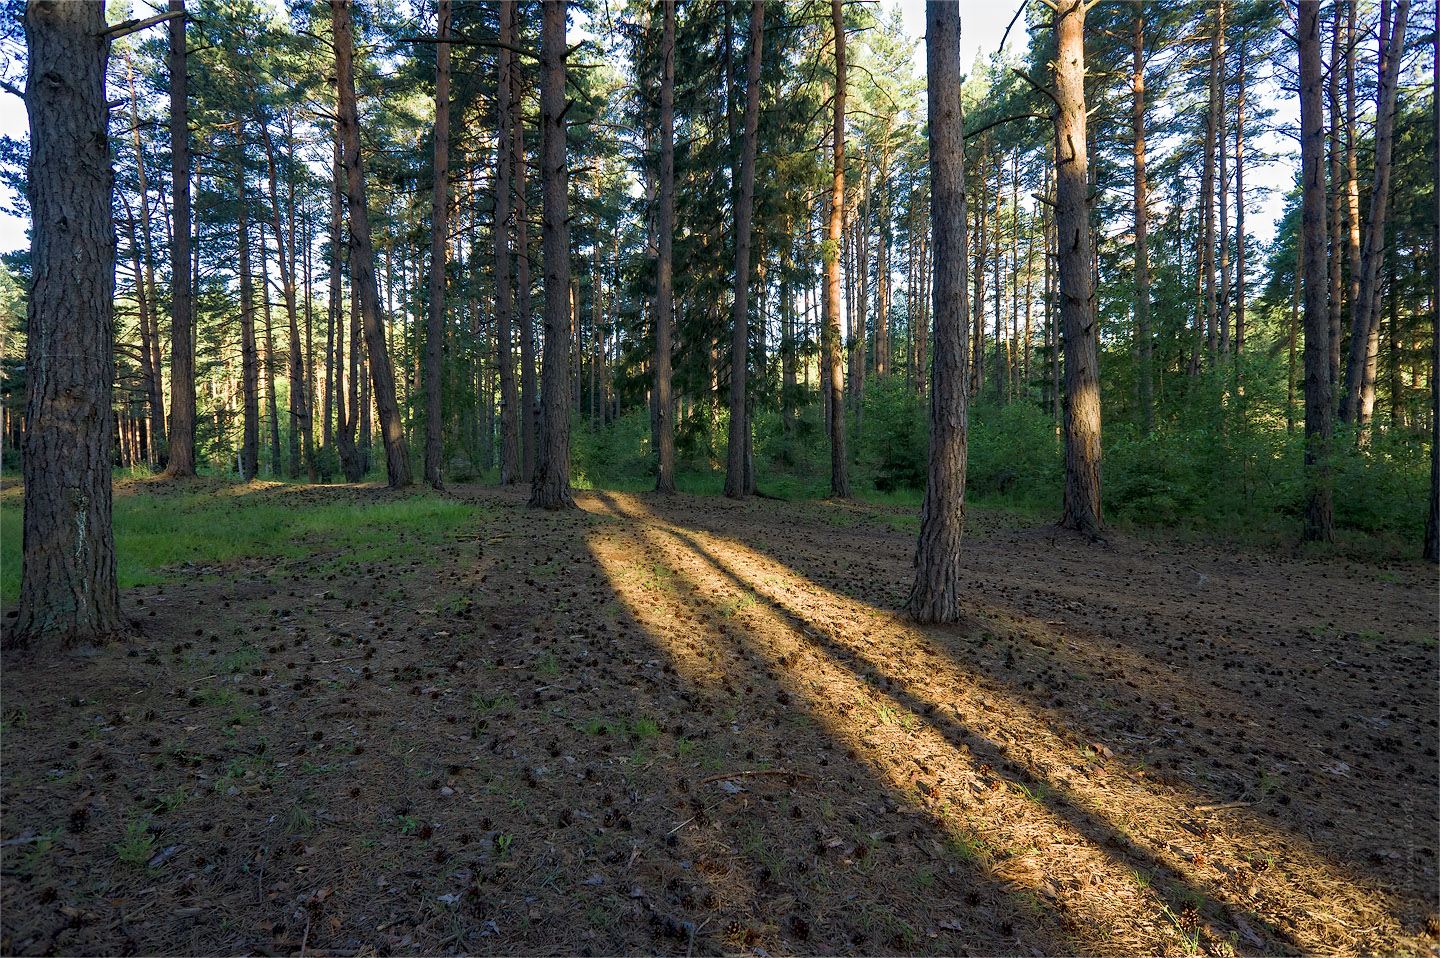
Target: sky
[(983, 23)]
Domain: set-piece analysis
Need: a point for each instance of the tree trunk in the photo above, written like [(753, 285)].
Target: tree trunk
[(839, 466), (1333, 219), (299, 405), (1352, 174), (182, 306), (882, 265), (935, 594), (271, 399), (529, 400), (149, 324), (737, 485), (346, 410), (439, 232), (1142, 227), (550, 488), (1077, 295), (249, 357), (996, 255), (664, 399), (1052, 325), (1319, 512), (1432, 523), (1207, 181), (977, 361), (1240, 205), (68, 592), (362, 255), (1222, 196), (1365, 310), (504, 294)]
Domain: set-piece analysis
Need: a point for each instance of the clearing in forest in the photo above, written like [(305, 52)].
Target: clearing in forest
[(388, 722)]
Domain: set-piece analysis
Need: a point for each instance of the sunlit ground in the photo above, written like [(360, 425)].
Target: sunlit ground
[(1127, 862)]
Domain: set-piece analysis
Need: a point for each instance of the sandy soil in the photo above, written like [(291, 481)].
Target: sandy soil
[(688, 725)]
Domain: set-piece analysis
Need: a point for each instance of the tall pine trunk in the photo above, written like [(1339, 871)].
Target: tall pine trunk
[(664, 400), (272, 401), (1432, 524), (1081, 509), (737, 484), (830, 333), (439, 232), (1240, 283), (249, 356), (362, 257), (550, 487), (1319, 426), (182, 305), (68, 591), (149, 324), (346, 417), (285, 248), (1207, 182), (935, 594), (504, 292), (529, 400), (1333, 219), (1352, 173), (1365, 310)]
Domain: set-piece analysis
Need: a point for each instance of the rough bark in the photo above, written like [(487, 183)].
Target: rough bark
[(1352, 173), (181, 460), (882, 265), (362, 256), (737, 484), (68, 591), (270, 398), (504, 291), (830, 334), (149, 324), (1365, 310), (1222, 197), (665, 264), (439, 231), (285, 258), (529, 400), (1319, 426), (550, 488), (1240, 283), (249, 356), (1142, 226), (1207, 181), (346, 416), (982, 246), (1333, 219), (935, 594), (1081, 509), (1432, 523)]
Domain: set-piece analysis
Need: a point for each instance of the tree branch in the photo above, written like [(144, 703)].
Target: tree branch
[(1037, 85), (127, 27), (1005, 119)]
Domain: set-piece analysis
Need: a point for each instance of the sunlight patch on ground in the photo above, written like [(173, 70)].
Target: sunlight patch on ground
[(1122, 854)]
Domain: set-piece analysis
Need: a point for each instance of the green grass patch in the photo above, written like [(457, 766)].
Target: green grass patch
[(160, 535)]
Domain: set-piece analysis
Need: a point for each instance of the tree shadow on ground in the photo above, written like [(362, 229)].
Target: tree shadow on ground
[(1217, 673), (1183, 877)]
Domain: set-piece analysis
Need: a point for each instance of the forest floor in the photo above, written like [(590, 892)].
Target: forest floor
[(691, 726)]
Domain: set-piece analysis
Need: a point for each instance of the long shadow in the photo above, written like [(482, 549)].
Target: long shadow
[(1198, 707), (1176, 890), (879, 675), (988, 914)]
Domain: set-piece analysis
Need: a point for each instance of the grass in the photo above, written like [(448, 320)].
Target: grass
[(136, 848), (162, 537)]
